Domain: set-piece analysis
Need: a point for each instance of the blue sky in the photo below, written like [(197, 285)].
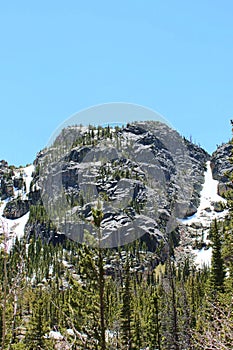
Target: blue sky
[(58, 57)]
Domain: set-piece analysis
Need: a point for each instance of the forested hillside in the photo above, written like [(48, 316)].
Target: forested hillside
[(60, 293)]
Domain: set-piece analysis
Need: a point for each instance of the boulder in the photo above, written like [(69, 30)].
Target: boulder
[(16, 209), (191, 210)]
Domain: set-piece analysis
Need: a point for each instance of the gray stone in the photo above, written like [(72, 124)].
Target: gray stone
[(145, 178), (221, 167), (15, 209)]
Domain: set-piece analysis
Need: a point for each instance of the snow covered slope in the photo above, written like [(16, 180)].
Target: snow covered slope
[(15, 228), (206, 213), (209, 196)]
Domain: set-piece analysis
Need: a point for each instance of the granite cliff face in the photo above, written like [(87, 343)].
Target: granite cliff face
[(221, 166), (11, 180), (145, 175), (6, 180)]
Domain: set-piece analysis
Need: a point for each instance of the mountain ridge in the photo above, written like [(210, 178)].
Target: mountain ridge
[(147, 139)]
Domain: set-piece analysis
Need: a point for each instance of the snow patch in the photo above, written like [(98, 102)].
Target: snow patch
[(28, 171), (208, 196), (205, 215), (203, 257), (70, 331), (15, 228), (55, 335)]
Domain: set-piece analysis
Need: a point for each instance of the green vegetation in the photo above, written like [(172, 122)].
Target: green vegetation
[(125, 304), (94, 134), (108, 299)]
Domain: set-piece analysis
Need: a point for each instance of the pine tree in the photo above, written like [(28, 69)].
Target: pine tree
[(38, 328), (154, 323), (227, 253), (126, 317), (217, 273)]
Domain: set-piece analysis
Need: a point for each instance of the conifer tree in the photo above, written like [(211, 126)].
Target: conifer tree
[(126, 308), (154, 323), (38, 329), (217, 273), (227, 253)]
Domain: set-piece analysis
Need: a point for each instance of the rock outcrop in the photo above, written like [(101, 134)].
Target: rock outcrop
[(15, 209), (6, 180), (221, 167), (145, 175)]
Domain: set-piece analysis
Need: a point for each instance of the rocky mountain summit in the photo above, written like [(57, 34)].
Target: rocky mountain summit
[(144, 174)]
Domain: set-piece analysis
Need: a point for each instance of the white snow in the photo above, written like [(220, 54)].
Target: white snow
[(70, 331), (28, 176), (15, 228), (209, 195), (55, 335), (210, 189), (11, 228), (203, 257)]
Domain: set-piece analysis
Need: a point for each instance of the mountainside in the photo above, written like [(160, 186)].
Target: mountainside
[(221, 166), (145, 175), (142, 184), (195, 229), (14, 204)]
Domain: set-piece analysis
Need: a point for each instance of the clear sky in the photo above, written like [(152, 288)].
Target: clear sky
[(58, 57)]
